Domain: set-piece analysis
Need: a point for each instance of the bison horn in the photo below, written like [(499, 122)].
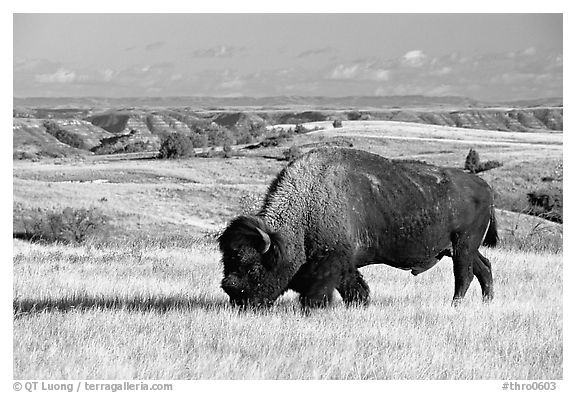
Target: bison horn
[(266, 239)]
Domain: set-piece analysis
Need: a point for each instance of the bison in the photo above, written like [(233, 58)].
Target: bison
[(335, 210)]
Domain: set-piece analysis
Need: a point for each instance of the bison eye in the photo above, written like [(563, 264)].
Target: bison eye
[(234, 257)]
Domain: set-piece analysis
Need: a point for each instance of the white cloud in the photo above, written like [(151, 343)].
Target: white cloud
[(359, 71), (414, 58), (345, 72), (317, 52), (37, 66), (381, 75), (442, 71), (107, 75), (235, 83), (219, 51), (60, 76)]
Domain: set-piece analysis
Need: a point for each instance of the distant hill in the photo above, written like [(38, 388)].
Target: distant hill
[(60, 126), (283, 102), (30, 139)]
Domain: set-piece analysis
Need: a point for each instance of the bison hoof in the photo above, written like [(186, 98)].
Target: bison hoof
[(358, 303), (357, 299), (312, 303), (488, 298)]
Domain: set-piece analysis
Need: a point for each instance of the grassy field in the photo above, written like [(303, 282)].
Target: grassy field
[(144, 301), (147, 313)]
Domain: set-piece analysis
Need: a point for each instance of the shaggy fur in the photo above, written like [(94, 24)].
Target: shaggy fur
[(334, 210)]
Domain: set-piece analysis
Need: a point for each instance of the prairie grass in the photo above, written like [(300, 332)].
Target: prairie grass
[(156, 313), (145, 303), (176, 200), (157, 198)]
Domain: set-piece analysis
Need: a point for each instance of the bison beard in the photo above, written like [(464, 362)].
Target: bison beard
[(333, 211)]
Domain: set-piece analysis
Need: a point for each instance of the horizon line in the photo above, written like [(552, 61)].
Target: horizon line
[(285, 96)]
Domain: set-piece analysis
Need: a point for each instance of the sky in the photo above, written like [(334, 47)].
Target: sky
[(493, 57)]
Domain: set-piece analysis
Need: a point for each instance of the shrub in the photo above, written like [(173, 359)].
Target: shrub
[(537, 238), (474, 165), (546, 203), (337, 123), (300, 129), (283, 136), (138, 146), (472, 161), (199, 140), (486, 166), (292, 153), (227, 149), (24, 155), (68, 226), (176, 146), (218, 136), (354, 115), (257, 130), (125, 143), (244, 139), (105, 149)]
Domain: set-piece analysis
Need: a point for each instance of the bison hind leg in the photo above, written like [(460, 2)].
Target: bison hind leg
[(483, 272), (353, 288), (468, 262)]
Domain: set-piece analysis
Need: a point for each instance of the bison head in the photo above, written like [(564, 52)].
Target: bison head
[(251, 255)]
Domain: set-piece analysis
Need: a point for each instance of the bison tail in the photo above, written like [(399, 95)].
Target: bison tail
[(491, 238)]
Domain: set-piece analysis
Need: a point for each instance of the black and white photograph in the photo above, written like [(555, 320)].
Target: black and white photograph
[(287, 196)]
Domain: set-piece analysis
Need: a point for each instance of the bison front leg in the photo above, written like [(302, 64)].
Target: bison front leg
[(353, 288), (315, 282), (319, 292)]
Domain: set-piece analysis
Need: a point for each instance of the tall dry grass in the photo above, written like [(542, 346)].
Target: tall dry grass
[(148, 312)]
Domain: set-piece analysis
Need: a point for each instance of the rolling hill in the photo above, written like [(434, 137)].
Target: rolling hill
[(82, 126)]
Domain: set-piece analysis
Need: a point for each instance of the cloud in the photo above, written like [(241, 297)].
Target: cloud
[(164, 66), (60, 76), (359, 71), (235, 83), (35, 66), (526, 73), (441, 71), (414, 58), (155, 45), (486, 76), (107, 75), (316, 52), (381, 75), (218, 51), (345, 72)]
